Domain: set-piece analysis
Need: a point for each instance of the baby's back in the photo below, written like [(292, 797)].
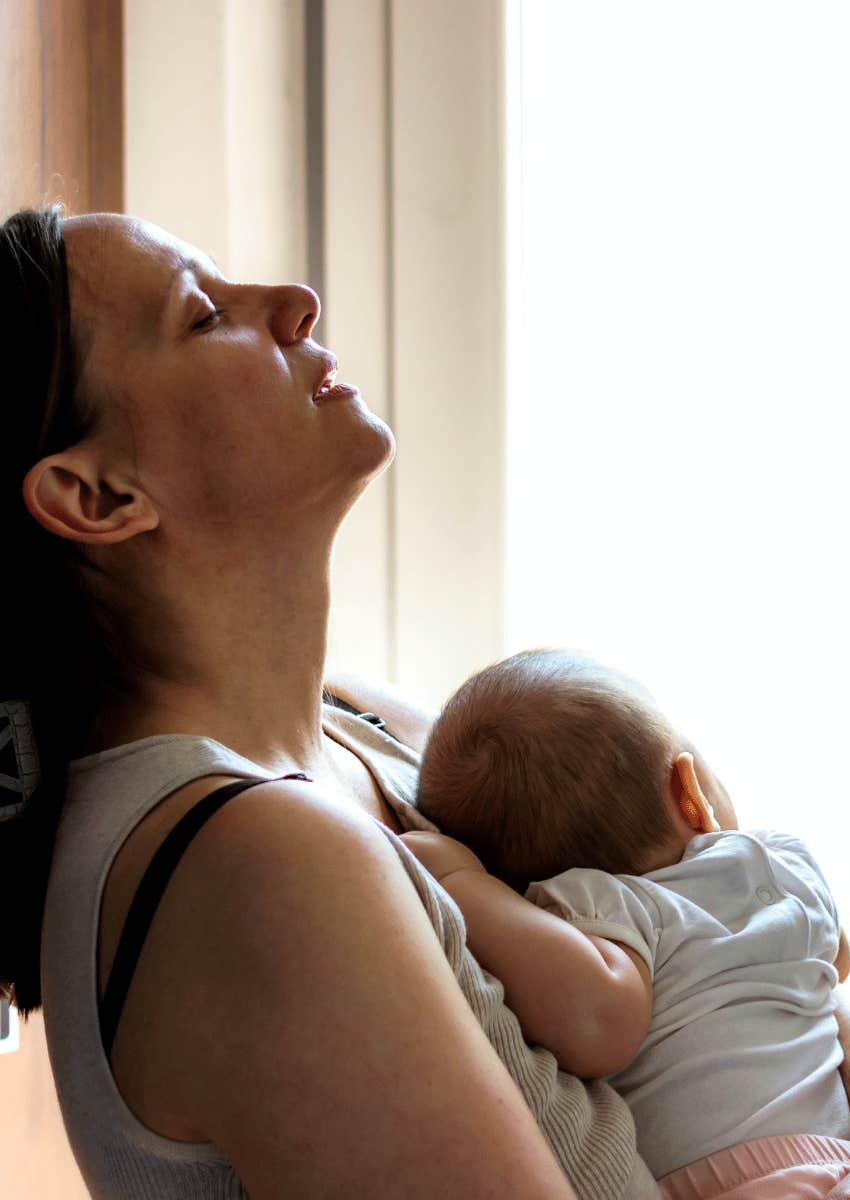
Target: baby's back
[(740, 937)]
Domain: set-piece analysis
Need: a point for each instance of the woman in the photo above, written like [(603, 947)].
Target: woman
[(295, 1013)]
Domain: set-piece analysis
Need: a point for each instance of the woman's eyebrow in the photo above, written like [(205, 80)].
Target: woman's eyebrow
[(190, 262), (186, 264)]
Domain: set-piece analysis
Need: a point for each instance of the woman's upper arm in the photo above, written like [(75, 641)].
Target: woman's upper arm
[(410, 722), (333, 1053)]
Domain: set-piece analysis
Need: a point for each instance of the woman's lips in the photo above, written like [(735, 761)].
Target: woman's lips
[(339, 392)]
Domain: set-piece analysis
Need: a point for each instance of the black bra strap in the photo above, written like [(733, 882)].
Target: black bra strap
[(148, 895), (372, 718)]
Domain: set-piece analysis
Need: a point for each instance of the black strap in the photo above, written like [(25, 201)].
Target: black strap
[(148, 895), (372, 718)]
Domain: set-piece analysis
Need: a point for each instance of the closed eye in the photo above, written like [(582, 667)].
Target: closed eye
[(209, 321)]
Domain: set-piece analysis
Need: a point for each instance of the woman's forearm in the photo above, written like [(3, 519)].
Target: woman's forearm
[(586, 1007)]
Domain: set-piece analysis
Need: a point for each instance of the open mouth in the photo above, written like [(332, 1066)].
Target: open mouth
[(327, 383)]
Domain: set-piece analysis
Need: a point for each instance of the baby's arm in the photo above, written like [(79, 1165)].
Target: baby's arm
[(585, 998)]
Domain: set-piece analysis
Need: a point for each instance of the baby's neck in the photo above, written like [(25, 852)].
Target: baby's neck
[(665, 855)]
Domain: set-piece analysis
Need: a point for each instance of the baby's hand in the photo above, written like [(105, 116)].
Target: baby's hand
[(441, 855)]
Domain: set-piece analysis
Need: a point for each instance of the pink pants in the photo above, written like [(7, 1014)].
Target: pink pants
[(798, 1167)]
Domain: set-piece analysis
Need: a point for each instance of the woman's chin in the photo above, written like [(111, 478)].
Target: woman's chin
[(383, 448), (392, 447)]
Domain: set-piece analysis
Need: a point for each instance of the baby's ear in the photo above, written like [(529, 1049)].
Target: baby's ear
[(691, 801)]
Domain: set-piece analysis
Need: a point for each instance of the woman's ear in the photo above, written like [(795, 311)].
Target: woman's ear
[(67, 496), (691, 801)]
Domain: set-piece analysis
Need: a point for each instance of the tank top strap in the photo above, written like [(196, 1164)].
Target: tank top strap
[(149, 893), (372, 718)]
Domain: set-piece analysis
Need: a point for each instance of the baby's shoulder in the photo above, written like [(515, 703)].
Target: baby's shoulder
[(752, 850), (736, 851), (731, 869), (717, 879)]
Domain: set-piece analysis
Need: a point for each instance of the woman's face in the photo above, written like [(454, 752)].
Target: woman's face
[(206, 387)]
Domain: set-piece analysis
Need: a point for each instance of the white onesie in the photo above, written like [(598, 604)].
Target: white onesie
[(739, 936)]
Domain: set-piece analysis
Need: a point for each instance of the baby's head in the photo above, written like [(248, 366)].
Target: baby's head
[(547, 761)]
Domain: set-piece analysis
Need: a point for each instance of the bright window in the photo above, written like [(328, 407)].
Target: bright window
[(677, 444)]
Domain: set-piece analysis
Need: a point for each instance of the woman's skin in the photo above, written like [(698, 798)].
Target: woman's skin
[(306, 1019)]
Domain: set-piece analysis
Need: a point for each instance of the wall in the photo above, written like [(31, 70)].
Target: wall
[(215, 117), (36, 1162), (415, 287), (61, 120)]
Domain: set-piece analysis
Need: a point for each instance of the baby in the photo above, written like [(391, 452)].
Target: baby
[(690, 963)]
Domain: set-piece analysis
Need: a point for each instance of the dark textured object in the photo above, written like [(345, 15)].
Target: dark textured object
[(19, 767)]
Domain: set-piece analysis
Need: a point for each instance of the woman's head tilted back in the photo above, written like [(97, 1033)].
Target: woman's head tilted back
[(546, 761), (165, 459)]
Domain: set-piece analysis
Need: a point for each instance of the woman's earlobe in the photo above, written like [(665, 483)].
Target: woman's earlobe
[(68, 499)]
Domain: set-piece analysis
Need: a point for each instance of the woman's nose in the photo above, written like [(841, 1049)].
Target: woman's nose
[(295, 309)]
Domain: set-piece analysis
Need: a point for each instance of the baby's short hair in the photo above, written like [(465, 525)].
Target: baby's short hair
[(547, 761)]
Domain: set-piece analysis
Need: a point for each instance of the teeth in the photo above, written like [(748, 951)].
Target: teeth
[(327, 383)]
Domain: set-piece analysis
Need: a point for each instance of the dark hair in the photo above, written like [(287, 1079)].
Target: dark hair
[(545, 761), (50, 654)]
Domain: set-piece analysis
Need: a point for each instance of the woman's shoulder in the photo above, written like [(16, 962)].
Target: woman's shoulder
[(316, 842), (252, 895)]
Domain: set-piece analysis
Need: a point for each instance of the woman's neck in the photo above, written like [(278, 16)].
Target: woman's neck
[(237, 662)]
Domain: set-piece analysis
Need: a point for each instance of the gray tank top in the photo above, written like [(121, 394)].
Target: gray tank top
[(588, 1127)]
